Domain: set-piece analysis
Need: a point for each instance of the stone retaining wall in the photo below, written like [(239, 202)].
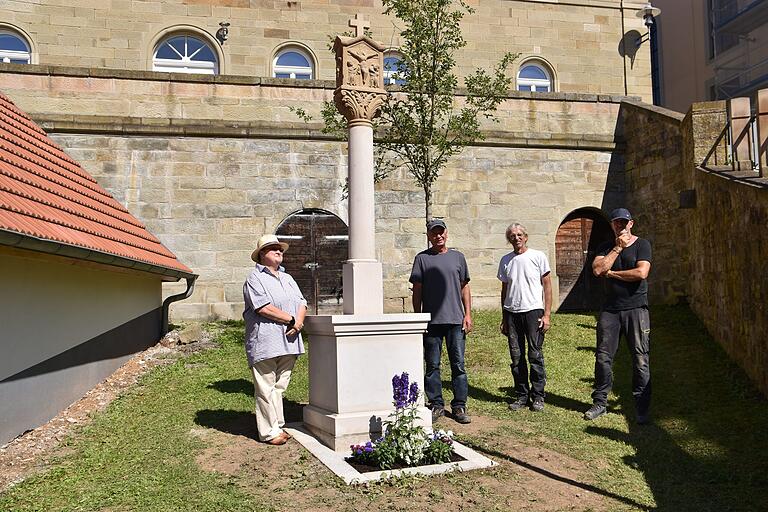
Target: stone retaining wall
[(655, 175), (707, 227)]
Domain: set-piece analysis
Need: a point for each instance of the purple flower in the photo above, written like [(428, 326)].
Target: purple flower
[(413, 393), (400, 391)]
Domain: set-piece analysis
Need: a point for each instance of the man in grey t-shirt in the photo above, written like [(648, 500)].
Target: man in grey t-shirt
[(440, 280)]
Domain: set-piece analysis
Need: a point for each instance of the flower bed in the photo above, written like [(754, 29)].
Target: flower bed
[(404, 444)]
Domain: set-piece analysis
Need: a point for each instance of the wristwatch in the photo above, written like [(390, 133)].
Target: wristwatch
[(292, 322)]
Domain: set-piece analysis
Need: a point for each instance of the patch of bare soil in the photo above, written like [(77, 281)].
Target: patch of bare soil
[(527, 478), (31, 452)]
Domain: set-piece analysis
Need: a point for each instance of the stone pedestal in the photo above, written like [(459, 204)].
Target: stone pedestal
[(352, 359)]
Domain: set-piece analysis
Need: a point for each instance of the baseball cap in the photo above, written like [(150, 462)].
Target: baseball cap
[(621, 213), (436, 223)]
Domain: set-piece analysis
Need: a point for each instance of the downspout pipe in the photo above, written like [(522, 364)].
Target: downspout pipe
[(175, 298)]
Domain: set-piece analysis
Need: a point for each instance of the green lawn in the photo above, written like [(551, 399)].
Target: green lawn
[(707, 448)]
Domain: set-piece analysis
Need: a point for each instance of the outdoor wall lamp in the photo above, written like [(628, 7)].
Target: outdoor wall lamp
[(223, 33), (648, 13)]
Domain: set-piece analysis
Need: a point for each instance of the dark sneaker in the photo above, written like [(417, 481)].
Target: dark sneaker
[(437, 412), (643, 419), (519, 403), (537, 405), (461, 416), (595, 411)]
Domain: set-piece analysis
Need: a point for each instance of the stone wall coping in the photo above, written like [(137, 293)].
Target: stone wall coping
[(748, 178), (151, 126), (671, 114), (157, 76)]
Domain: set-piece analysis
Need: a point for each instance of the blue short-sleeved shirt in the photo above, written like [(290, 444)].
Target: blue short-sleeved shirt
[(265, 338)]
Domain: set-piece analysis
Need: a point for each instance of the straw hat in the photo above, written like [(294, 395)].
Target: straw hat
[(266, 241)]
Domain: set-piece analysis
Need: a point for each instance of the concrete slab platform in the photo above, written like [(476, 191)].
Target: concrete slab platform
[(335, 460)]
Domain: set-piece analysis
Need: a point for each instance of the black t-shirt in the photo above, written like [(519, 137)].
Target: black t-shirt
[(623, 295)]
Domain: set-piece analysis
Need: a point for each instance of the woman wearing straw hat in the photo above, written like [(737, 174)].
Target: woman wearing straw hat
[(274, 316)]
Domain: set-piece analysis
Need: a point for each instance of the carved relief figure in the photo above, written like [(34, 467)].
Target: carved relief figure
[(362, 68)]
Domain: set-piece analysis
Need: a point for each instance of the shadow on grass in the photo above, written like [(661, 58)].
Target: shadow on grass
[(564, 402), (233, 386), (590, 348), (243, 423), (707, 450), (554, 476)]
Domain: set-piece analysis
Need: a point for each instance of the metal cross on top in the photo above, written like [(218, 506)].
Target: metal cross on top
[(359, 23)]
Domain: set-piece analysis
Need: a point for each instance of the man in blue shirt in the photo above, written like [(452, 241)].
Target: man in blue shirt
[(440, 278)]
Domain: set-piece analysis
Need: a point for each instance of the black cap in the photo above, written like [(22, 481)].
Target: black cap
[(621, 213), (436, 223)]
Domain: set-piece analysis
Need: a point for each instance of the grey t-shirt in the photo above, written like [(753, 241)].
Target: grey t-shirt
[(441, 277)]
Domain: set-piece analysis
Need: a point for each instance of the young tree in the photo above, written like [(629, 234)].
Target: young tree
[(424, 123)]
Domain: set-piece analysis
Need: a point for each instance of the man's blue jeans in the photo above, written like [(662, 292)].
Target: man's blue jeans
[(455, 341)]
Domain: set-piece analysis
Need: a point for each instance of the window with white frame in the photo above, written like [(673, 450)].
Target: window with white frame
[(394, 70), (14, 49), (534, 77), (293, 62), (185, 54)]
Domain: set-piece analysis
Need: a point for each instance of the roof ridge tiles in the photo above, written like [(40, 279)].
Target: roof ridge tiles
[(93, 204), (8, 104), (98, 194), (47, 195), (138, 231), (38, 133), (17, 208), (49, 163), (26, 227), (44, 144)]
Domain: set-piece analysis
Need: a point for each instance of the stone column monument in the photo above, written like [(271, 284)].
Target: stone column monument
[(353, 357)]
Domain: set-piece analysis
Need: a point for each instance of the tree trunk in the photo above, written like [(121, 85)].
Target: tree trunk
[(427, 207)]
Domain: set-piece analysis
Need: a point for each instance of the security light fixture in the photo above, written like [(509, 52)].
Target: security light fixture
[(223, 33), (648, 13)]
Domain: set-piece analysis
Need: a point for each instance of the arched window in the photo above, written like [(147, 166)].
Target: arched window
[(185, 54), (14, 48), (293, 62), (534, 77), (394, 70)]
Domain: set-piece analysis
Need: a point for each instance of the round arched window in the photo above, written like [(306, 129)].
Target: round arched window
[(534, 77), (185, 54), (293, 62), (14, 48), (394, 70)]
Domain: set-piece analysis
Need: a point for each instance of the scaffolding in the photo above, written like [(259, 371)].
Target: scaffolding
[(740, 61)]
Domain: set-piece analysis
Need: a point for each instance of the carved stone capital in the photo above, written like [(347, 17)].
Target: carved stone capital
[(356, 104)]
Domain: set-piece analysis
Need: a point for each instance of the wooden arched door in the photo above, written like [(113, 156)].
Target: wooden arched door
[(318, 247), (577, 240)]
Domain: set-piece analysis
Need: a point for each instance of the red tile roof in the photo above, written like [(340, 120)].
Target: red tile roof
[(47, 195)]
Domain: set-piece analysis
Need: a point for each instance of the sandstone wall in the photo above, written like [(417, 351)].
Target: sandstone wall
[(655, 176), (209, 166), (208, 200), (582, 40), (729, 275)]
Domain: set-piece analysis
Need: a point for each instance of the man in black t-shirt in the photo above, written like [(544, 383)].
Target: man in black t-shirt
[(625, 265)]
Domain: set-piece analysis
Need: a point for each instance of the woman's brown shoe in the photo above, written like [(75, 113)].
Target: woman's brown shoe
[(279, 440)]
